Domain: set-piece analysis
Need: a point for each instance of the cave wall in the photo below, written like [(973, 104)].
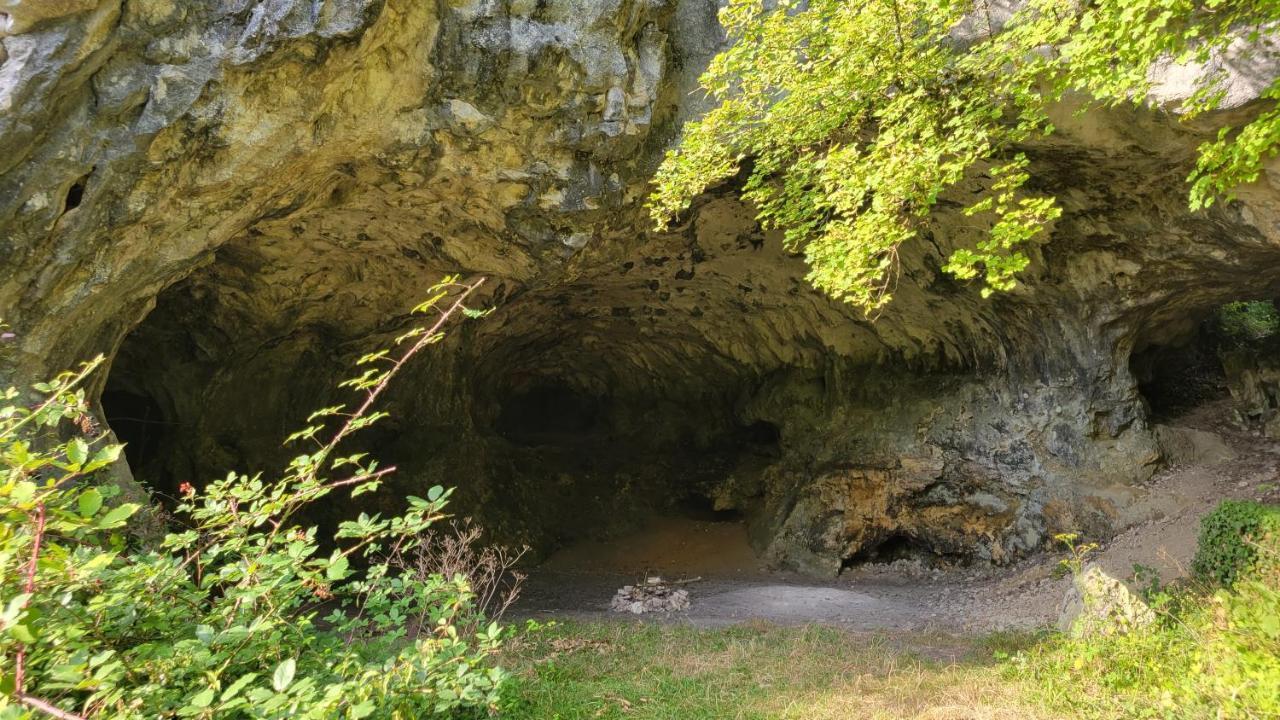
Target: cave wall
[(233, 200)]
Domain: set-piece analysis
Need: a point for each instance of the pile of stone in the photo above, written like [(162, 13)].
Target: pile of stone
[(652, 595)]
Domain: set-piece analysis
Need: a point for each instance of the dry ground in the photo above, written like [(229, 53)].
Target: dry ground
[(578, 582)]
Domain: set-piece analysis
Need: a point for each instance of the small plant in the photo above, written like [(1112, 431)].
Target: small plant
[(1147, 579), (221, 619), (1077, 554), (1227, 547), (458, 551)]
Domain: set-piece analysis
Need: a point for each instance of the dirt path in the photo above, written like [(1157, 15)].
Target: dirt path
[(579, 581)]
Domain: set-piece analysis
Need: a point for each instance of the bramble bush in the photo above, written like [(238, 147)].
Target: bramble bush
[(1230, 537), (223, 618)]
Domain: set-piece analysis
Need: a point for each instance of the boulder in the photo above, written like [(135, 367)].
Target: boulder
[(1098, 604), (1187, 446)]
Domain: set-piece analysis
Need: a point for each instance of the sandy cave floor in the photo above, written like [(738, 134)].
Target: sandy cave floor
[(579, 581)]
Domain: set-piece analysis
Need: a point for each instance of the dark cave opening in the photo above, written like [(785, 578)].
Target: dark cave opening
[(704, 509), (549, 411), (140, 422), (577, 458), (551, 431), (761, 434), (1223, 353), (1175, 379), (902, 546), (75, 194), (137, 420)]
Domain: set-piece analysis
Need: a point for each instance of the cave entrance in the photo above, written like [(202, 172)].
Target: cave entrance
[(1232, 355), (553, 428), (581, 451), (549, 412), (138, 422), (146, 429)]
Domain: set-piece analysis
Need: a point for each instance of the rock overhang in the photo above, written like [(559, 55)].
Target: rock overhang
[(295, 178)]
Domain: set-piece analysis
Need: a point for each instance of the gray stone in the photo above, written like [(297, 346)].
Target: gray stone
[(1186, 446), (1097, 605)]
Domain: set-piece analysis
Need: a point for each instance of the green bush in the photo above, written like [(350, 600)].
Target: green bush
[(222, 618), (1227, 546), (1248, 322)]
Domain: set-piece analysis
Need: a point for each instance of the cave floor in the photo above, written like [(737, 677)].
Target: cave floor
[(732, 587)]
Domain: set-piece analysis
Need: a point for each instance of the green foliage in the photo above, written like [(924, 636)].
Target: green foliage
[(1228, 544), (1245, 323), (1212, 655), (857, 117), (222, 619)]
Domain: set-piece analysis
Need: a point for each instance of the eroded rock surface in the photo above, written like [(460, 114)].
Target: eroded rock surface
[(233, 200)]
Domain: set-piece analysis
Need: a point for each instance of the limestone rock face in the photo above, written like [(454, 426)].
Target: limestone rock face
[(1253, 376), (234, 199)]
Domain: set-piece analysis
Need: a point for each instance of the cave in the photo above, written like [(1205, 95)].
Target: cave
[(551, 412), (1220, 355), (1177, 378), (554, 422), (139, 423), (232, 227)]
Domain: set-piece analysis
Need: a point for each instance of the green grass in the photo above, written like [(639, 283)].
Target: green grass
[(1213, 653), (615, 670)]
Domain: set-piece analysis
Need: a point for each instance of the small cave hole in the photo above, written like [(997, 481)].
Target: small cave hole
[(702, 508), (760, 434), (1174, 379), (894, 547), (75, 194), (1196, 367)]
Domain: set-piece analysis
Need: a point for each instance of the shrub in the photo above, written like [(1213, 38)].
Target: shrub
[(459, 551), (1227, 546), (221, 619), (1245, 323)]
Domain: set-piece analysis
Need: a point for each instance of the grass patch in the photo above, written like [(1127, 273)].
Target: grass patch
[(1213, 653), (577, 671)]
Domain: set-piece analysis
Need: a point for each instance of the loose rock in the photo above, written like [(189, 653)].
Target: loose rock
[(653, 595)]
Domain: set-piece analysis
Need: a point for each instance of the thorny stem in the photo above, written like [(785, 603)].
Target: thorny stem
[(20, 662), (46, 707), (33, 563), (427, 338)]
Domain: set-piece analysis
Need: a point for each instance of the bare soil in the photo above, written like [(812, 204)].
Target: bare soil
[(1160, 533)]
